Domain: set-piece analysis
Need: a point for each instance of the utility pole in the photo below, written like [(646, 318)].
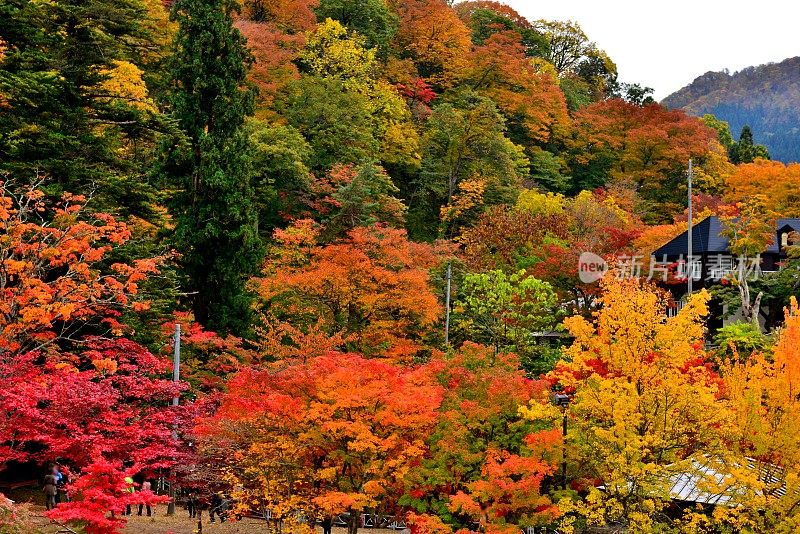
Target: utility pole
[(176, 360), (176, 377), (689, 264), (447, 306), (562, 400)]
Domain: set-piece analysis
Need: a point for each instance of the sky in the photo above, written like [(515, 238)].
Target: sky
[(667, 44)]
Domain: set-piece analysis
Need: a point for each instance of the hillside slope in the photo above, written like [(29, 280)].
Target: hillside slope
[(766, 97)]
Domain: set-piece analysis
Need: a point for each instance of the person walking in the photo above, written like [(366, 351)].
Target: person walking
[(327, 525), (217, 507), (191, 504), (50, 491), (129, 489), (61, 484), (145, 488)]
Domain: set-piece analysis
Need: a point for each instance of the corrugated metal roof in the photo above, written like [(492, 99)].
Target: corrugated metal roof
[(707, 473)]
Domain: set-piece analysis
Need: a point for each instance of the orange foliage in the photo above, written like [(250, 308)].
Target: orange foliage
[(290, 16), (500, 70), (645, 143), (779, 182), (52, 280), (510, 485), (488, 460), (371, 288), (336, 434), (434, 37), (274, 52)]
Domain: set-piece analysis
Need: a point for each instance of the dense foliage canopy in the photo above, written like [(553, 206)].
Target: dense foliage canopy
[(367, 216)]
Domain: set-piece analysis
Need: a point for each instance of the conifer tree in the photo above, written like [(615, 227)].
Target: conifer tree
[(74, 105), (746, 151), (217, 222)]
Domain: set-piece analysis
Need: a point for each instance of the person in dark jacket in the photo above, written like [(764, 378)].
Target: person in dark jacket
[(191, 504), (218, 507), (327, 525), (50, 491)]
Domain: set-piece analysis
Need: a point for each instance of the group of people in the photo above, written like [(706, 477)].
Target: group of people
[(218, 506), (55, 483), (146, 487)]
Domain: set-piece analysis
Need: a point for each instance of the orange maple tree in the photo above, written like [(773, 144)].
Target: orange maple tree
[(432, 35), (274, 52), (762, 389), (645, 148), (487, 462), (333, 435), (778, 181), (53, 281), (290, 16), (530, 100), (373, 288)]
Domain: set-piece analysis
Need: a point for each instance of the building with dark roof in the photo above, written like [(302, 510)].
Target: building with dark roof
[(707, 239), (711, 250), (713, 262)]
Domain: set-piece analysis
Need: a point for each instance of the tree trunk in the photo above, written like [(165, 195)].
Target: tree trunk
[(757, 307), (354, 523)]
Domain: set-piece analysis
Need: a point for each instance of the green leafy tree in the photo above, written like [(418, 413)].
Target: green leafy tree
[(505, 311), (741, 338), (216, 212), (370, 18), (636, 94), (344, 74), (572, 53), (465, 145), (280, 158), (360, 196), (485, 19), (723, 130), (546, 170), (577, 93), (336, 122), (745, 150)]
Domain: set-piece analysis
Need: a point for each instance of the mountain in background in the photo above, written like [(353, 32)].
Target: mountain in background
[(767, 98)]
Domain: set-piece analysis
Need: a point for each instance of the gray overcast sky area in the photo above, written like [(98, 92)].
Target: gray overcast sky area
[(666, 45)]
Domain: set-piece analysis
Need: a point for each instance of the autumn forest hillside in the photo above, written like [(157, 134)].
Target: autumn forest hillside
[(357, 225), (765, 97)]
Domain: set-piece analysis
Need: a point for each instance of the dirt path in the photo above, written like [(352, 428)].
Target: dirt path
[(181, 524)]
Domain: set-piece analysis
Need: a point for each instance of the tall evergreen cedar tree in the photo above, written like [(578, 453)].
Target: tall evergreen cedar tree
[(217, 223)]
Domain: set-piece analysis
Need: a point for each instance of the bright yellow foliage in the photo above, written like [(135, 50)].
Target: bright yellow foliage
[(124, 83), (332, 52), (537, 203), (644, 401), (764, 393)]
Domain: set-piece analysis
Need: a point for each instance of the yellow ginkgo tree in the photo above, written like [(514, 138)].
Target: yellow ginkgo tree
[(763, 391), (644, 404)]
